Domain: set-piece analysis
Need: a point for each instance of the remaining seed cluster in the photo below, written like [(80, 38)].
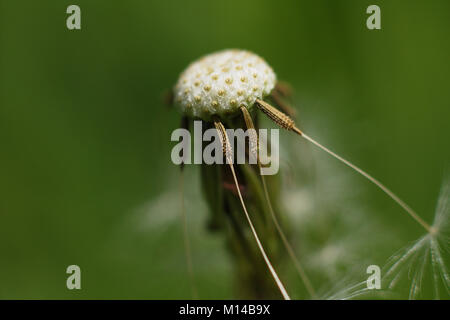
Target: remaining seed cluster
[(220, 83)]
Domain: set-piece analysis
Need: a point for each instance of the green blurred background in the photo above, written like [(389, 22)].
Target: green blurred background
[(85, 170)]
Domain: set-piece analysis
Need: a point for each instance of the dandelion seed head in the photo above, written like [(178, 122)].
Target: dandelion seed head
[(220, 83)]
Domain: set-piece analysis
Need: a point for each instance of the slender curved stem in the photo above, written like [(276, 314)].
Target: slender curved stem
[(226, 149)]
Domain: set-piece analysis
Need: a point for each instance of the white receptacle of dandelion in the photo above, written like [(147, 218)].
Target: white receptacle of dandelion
[(228, 88)]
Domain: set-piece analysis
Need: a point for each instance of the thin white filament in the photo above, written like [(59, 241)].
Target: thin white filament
[(288, 247), (263, 253), (392, 195)]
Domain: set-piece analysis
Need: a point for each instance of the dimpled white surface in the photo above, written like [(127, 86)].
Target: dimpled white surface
[(219, 83)]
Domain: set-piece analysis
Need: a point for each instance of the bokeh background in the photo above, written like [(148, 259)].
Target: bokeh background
[(85, 170)]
